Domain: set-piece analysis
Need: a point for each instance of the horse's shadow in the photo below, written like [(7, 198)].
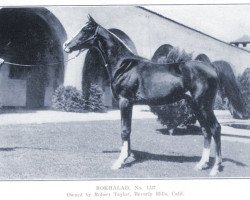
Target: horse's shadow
[(140, 157)]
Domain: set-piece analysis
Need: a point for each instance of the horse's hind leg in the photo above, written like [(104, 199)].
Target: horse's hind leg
[(126, 118), (216, 132), (210, 127), (203, 163)]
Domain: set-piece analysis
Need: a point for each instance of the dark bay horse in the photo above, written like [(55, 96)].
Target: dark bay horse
[(237, 104), (178, 113), (136, 80)]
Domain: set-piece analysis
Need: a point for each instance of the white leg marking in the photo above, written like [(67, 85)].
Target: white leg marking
[(203, 163), (216, 168), (123, 156), (214, 171), (171, 131)]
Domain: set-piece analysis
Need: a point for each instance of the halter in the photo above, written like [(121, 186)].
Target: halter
[(93, 37), (100, 49)]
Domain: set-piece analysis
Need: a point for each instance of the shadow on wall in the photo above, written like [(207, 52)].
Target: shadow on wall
[(33, 36)]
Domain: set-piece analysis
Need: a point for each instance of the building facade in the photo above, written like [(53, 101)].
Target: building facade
[(36, 35)]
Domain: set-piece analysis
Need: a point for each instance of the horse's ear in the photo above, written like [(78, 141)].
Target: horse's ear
[(91, 19)]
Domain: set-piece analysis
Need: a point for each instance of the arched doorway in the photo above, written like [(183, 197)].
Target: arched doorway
[(30, 36), (94, 70), (161, 53)]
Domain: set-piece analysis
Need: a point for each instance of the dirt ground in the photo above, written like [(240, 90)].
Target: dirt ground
[(86, 150)]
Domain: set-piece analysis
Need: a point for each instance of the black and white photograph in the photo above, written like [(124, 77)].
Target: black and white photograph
[(124, 92)]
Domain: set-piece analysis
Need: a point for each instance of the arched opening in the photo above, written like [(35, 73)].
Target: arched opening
[(203, 57), (161, 53), (94, 70), (30, 36)]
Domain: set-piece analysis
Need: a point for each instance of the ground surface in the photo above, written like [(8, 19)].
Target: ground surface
[(83, 150)]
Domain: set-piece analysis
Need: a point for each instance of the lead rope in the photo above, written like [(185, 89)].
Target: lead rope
[(38, 65)]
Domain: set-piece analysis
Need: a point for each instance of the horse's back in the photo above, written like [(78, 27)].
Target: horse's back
[(200, 68), (145, 81)]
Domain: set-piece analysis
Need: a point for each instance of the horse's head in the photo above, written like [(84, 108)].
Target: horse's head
[(84, 39)]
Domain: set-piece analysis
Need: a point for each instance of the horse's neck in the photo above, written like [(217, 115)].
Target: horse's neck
[(114, 50)]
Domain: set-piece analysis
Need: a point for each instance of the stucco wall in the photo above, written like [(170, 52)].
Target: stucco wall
[(12, 91), (148, 31)]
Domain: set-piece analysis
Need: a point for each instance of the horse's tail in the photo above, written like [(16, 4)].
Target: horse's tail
[(230, 89)]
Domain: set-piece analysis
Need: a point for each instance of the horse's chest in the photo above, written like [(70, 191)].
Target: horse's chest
[(126, 85)]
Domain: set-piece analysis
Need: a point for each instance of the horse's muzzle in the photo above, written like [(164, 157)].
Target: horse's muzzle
[(66, 48)]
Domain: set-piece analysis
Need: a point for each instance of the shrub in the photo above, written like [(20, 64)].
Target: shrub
[(219, 104), (244, 82), (173, 115), (68, 99), (95, 100), (178, 113)]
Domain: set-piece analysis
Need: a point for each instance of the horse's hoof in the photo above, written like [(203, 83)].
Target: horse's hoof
[(116, 166), (197, 168), (214, 172), (201, 166), (132, 155)]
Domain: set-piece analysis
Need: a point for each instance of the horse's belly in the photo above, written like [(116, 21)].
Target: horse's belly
[(161, 88)]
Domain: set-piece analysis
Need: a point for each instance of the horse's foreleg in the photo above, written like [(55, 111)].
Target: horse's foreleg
[(126, 118)]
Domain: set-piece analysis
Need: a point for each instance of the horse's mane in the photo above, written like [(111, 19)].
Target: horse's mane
[(93, 24), (125, 38), (167, 54), (178, 56), (119, 39)]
